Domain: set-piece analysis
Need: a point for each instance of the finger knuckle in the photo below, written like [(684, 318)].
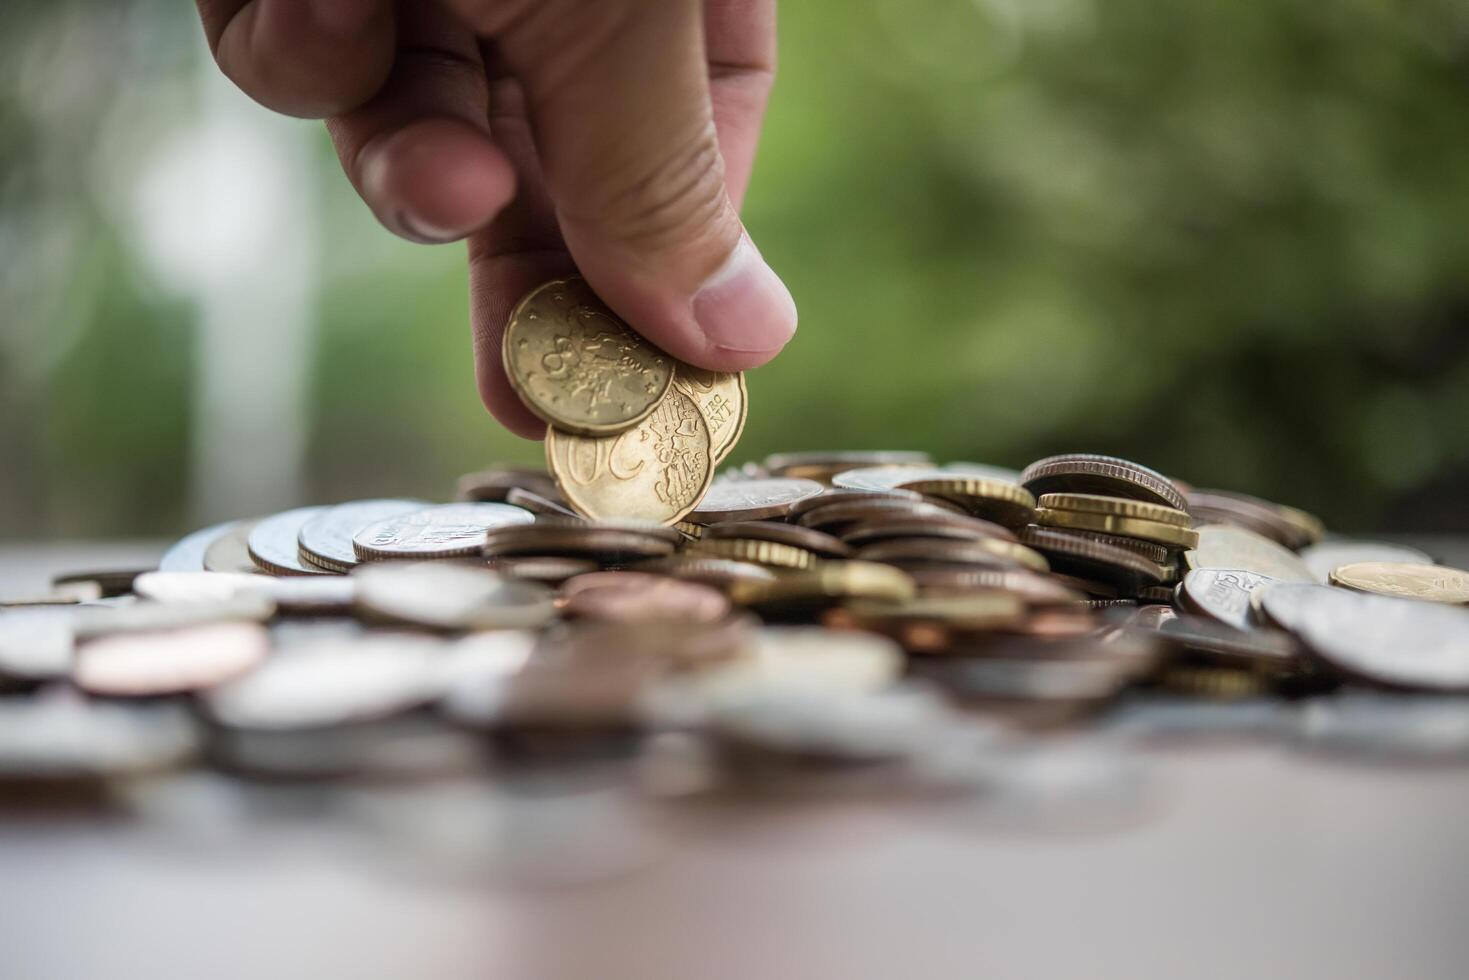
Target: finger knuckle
[(658, 203)]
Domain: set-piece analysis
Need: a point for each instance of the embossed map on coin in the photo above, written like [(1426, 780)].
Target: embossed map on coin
[(657, 471), (579, 367)]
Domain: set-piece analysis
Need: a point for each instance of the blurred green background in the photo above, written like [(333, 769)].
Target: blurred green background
[(1230, 241)]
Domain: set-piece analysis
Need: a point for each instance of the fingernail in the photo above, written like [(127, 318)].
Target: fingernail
[(744, 306), (428, 232), (343, 17)]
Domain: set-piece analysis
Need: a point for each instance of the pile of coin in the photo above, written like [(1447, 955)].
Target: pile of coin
[(631, 432)]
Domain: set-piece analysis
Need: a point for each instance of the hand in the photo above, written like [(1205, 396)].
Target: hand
[(614, 137)]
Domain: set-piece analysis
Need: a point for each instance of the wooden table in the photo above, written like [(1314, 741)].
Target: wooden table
[(1232, 856)]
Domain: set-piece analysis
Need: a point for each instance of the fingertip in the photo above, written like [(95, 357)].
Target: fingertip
[(437, 180)]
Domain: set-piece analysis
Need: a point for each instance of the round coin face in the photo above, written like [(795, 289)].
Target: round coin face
[(188, 554), (445, 531), (230, 552), (1104, 475), (450, 596), (1432, 583), (171, 661), (889, 477), (1322, 559), (722, 399), (273, 547), (1225, 594), (326, 539), (753, 500), (1227, 546), (578, 366), (1379, 639), (656, 471)]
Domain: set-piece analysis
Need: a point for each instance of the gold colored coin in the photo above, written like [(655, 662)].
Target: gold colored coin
[(1432, 583), (828, 581), (723, 401), (656, 471), (1004, 503), (579, 367), (1129, 527), (760, 552), (1092, 503)]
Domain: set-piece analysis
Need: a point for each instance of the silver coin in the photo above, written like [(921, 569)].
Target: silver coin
[(857, 726), (1324, 558), (61, 736), (876, 478), (230, 552), (188, 554), (752, 499), (1387, 726), (1395, 642), (141, 617), (451, 596), (333, 682), (317, 594), (273, 545), (1232, 547), (326, 539), (36, 644), (1225, 594), (445, 531)]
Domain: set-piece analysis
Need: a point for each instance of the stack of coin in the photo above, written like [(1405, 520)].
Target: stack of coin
[(632, 433)]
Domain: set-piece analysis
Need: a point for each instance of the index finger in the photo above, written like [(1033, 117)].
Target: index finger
[(312, 59)]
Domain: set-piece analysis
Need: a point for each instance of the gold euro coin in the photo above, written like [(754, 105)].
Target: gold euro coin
[(1130, 527), (1433, 583), (579, 367), (722, 400), (656, 471), (1091, 503)]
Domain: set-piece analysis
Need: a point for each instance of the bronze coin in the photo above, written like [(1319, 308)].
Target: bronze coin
[(955, 526), (587, 540), (1092, 559), (639, 597), (1105, 475), (718, 572), (989, 552), (835, 517), (805, 538), (752, 500)]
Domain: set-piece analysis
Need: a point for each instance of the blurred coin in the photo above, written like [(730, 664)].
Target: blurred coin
[(759, 552), (718, 572), (1092, 559), (820, 586), (97, 584), (550, 569), (313, 594), (842, 726), (1170, 535), (332, 683), (58, 736), (1387, 725), (445, 531), (807, 539), (1218, 683), (839, 460), (1027, 585), (954, 526), (577, 365), (837, 516), (633, 597), (1382, 640), (188, 554), (230, 552), (272, 543), (152, 616), (991, 552), (657, 471), (975, 610), (326, 539), (537, 504), (496, 482), (752, 500), (451, 596), (1150, 550), (1105, 475), (1310, 529), (826, 497), (1224, 594), (1323, 558), (1292, 528), (1228, 546), (1432, 583), (1210, 642), (889, 477), (721, 398), (36, 644), (1002, 502), (149, 664)]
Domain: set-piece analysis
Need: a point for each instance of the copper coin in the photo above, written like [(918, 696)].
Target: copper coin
[(805, 538), (586, 541), (149, 664), (638, 597), (1105, 475), (828, 497), (1092, 559), (949, 526), (752, 500), (839, 515)]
